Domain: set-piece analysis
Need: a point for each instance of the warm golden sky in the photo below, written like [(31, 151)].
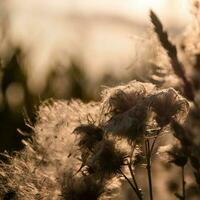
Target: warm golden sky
[(98, 33)]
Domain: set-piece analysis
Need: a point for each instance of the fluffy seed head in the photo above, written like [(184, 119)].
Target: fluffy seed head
[(89, 135), (106, 159), (168, 105), (81, 188)]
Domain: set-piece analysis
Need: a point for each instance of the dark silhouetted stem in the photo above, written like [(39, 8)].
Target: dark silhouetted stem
[(148, 167), (153, 144), (154, 141), (135, 182), (131, 171), (183, 182), (131, 184)]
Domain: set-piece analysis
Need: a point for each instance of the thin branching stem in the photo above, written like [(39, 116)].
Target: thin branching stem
[(148, 167), (130, 183), (153, 144), (154, 141), (134, 181), (183, 182), (131, 169), (128, 180)]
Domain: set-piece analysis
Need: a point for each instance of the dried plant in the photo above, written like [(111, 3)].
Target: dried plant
[(172, 53), (186, 135), (88, 151)]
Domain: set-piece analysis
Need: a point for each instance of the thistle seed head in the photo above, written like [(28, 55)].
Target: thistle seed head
[(89, 135), (106, 160)]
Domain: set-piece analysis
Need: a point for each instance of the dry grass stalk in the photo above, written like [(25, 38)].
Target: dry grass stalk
[(172, 53)]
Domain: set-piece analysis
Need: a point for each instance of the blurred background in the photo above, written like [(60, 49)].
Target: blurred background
[(70, 48)]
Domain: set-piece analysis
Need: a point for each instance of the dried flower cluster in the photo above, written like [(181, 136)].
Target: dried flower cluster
[(87, 151), (187, 145), (137, 108), (77, 148)]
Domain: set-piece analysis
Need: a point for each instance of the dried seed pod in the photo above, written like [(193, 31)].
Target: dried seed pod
[(89, 135), (106, 159), (169, 105), (81, 188)]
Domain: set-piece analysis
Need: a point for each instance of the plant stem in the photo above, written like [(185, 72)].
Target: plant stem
[(152, 146), (183, 182), (131, 184), (135, 182), (148, 158), (131, 171)]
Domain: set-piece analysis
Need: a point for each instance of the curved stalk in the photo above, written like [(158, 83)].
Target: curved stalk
[(183, 182), (135, 182), (148, 167), (131, 184)]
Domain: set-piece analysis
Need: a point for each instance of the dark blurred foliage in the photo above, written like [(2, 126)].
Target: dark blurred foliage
[(18, 117), (13, 119), (67, 83), (187, 150), (62, 83)]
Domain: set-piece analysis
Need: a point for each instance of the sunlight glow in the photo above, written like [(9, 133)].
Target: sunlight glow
[(77, 28)]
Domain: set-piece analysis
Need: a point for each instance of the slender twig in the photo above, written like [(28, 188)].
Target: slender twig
[(154, 141), (183, 182), (128, 180), (131, 169), (148, 167), (131, 184), (134, 181), (153, 144)]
